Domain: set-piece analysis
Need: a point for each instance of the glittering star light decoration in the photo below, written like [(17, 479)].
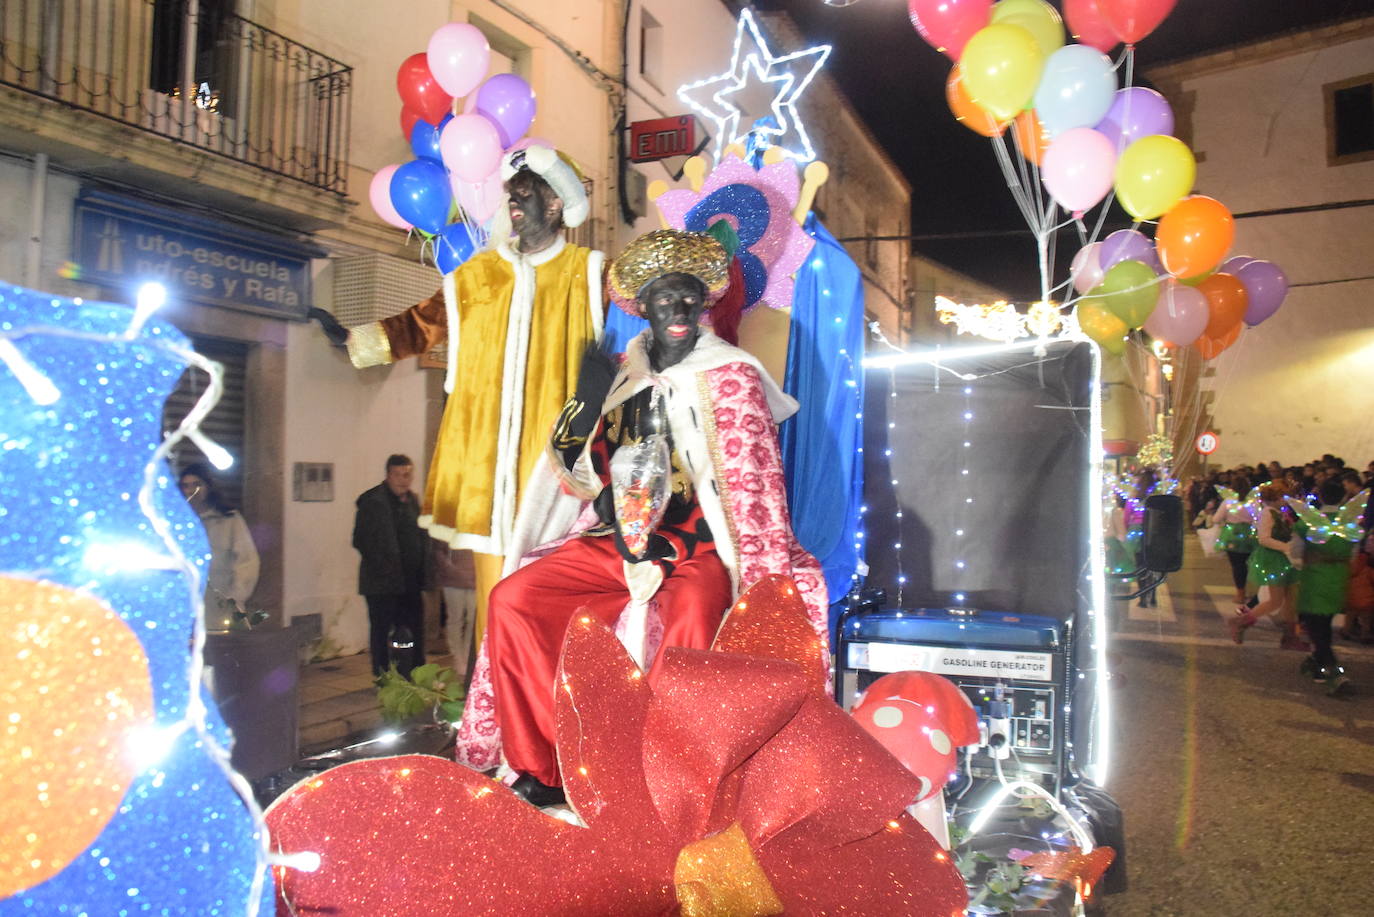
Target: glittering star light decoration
[(718, 98)]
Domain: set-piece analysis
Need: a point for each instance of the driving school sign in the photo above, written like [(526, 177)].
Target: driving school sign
[(124, 242)]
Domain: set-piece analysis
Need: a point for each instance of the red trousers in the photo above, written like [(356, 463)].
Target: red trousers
[(529, 613)]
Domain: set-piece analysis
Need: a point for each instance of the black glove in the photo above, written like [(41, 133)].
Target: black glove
[(593, 384), (336, 333)]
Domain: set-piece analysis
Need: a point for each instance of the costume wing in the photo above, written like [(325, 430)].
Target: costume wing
[(1352, 511), (1227, 495), (1318, 525), (1254, 505)]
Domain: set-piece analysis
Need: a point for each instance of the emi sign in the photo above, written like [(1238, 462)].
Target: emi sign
[(663, 138)]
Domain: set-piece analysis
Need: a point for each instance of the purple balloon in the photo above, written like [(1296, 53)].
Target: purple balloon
[(1267, 285), (508, 102), (1136, 112), (1234, 263), (1128, 245)]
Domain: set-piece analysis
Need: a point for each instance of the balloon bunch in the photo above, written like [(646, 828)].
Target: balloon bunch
[(456, 169), (1081, 138)]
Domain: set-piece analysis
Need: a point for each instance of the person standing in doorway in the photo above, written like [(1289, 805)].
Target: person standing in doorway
[(233, 573), (394, 569)]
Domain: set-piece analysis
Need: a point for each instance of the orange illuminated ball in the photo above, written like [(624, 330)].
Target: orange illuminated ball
[(74, 685)]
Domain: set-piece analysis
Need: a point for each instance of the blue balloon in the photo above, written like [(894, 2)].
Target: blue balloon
[(452, 246), (1076, 89), (421, 195), (424, 139)]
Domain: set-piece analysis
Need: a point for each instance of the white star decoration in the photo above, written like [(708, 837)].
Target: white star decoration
[(752, 62)]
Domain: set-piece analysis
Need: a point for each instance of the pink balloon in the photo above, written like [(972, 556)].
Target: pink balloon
[(947, 25), (1087, 25), (479, 200), (1180, 314), (1086, 269), (470, 147), (379, 193), (1079, 168), (458, 56)]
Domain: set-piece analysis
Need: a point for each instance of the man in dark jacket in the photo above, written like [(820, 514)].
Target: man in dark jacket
[(395, 566)]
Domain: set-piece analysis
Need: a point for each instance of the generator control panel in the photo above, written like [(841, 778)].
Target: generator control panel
[(1032, 714)]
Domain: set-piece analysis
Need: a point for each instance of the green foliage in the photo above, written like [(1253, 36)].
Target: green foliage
[(997, 882), (430, 688)]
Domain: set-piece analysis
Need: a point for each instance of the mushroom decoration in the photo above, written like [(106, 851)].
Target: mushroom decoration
[(921, 718)]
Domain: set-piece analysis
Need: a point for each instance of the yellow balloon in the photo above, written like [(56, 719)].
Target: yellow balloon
[(1036, 17), (1002, 64), (1153, 174), (1103, 326)]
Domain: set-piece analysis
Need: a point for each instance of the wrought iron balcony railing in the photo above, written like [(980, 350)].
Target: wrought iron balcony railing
[(190, 71)]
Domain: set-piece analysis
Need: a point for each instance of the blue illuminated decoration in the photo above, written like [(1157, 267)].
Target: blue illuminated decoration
[(93, 521)]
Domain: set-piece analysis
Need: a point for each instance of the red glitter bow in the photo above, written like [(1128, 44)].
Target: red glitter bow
[(743, 735)]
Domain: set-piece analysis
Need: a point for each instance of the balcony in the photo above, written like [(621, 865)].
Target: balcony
[(208, 84)]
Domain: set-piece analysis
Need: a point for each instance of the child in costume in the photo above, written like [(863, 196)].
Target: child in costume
[(1270, 567), (1325, 576), (1237, 536)]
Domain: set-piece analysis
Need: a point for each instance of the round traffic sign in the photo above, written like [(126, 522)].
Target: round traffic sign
[(1207, 443)]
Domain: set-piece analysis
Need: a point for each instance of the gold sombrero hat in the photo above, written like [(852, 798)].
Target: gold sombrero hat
[(668, 251)]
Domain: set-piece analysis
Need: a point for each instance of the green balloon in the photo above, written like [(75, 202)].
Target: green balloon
[(1129, 290)]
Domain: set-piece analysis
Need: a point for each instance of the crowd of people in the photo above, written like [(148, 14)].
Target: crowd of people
[(1299, 543)]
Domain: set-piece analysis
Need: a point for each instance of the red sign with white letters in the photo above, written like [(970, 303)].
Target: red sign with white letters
[(663, 138)]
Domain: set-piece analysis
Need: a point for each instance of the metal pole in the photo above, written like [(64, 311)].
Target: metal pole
[(188, 68), (37, 204)]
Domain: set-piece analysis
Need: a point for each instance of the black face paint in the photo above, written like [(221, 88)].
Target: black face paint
[(536, 213), (673, 305)]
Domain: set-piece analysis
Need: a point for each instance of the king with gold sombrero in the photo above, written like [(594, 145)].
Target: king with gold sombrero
[(675, 451)]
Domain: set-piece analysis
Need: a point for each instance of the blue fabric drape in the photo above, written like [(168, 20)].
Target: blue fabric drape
[(620, 328), (820, 444)]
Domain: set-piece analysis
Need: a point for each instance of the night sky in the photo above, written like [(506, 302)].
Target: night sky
[(897, 83)]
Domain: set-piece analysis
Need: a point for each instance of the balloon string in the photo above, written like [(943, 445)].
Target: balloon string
[(1003, 161)]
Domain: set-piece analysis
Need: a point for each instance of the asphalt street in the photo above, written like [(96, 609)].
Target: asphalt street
[(1246, 789)]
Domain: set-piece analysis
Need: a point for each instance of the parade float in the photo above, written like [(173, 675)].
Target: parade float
[(949, 757)]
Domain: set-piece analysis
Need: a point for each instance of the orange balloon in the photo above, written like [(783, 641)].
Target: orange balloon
[(966, 111), (1031, 136), (1194, 236), (1210, 348), (74, 688), (1226, 302)]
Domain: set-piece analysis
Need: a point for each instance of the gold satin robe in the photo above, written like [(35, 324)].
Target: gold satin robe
[(504, 397)]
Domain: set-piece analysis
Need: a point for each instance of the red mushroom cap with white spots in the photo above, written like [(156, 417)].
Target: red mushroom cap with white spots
[(922, 719)]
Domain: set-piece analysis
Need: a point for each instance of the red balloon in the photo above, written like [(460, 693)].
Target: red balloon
[(408, 119), (1087, 25), (947, 25), (419, 90), (1132, 20)]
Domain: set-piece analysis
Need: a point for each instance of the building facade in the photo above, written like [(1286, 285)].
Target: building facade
[(246, 194), (226, 147), (1284, 135)]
